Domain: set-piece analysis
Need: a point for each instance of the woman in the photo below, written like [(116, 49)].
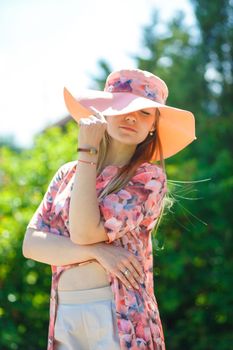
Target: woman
[(95, 221)]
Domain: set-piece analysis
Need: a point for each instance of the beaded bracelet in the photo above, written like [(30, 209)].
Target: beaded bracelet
[(85, 161)]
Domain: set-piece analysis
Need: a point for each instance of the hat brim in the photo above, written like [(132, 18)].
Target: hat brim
[(176, 126)]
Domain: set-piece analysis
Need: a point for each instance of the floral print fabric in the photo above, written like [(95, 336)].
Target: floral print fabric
[(128, 216), (139, 83)]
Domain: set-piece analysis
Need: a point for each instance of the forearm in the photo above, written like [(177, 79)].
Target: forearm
[(55, 250), (84, 215)]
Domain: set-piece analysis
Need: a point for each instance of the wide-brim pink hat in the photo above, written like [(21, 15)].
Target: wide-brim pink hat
[(130, 90)]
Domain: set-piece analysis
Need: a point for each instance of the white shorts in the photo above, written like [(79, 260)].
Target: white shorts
[(86, 320)]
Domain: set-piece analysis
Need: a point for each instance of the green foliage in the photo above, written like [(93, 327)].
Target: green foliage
[(25, 284), (192, 249), (193, 261)]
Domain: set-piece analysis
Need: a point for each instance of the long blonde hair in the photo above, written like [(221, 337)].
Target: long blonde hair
[(143, 153)]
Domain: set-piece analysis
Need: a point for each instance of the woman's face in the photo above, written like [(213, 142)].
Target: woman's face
[(141, 123)]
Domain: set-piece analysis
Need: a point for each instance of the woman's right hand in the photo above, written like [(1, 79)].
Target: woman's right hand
[(116, 260), (91, 130)]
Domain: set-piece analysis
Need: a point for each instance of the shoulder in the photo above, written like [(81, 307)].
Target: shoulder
[(64, 170), (68, 167)]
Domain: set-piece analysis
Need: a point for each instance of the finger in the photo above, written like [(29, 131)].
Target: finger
[(128, 273), (98, 114), (95, 119), (84, 121), (135, 274), (124, 280), (135, 263), (134, 279), (91, 120), (137, 266)]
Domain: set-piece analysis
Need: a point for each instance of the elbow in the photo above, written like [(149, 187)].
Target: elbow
[(78, 236), (83, 234), (25, 248), (76, 239), (27, 244)]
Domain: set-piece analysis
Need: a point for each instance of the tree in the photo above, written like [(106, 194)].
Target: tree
[(192, 261), (196, 309), (24, 283)]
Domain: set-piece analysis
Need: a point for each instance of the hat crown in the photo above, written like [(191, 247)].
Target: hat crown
[(138, 82)]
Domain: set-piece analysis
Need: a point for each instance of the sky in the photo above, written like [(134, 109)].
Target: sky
[(48, 44)]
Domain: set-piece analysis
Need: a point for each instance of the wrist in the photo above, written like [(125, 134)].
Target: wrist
[(85, 154), (96, 249), (91, 251), (87, 145), (87, 157), (89, 254)]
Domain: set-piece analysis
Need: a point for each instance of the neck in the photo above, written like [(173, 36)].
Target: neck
[(118, 153)]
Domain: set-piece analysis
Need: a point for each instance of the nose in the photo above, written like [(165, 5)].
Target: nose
[(131, 117)]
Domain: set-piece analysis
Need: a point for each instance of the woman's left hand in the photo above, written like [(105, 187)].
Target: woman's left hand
[(92, 130)]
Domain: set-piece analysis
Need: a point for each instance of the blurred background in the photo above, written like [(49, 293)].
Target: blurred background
[(46, 45)]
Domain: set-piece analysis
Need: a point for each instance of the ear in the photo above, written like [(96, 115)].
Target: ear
[(153, 128)]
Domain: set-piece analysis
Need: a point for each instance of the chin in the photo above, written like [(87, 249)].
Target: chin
[(125, 138), (126, 141)]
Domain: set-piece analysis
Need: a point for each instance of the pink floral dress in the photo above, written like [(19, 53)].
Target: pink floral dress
[(128, 216)]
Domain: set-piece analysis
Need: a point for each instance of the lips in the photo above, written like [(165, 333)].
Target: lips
[(127, 128)]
